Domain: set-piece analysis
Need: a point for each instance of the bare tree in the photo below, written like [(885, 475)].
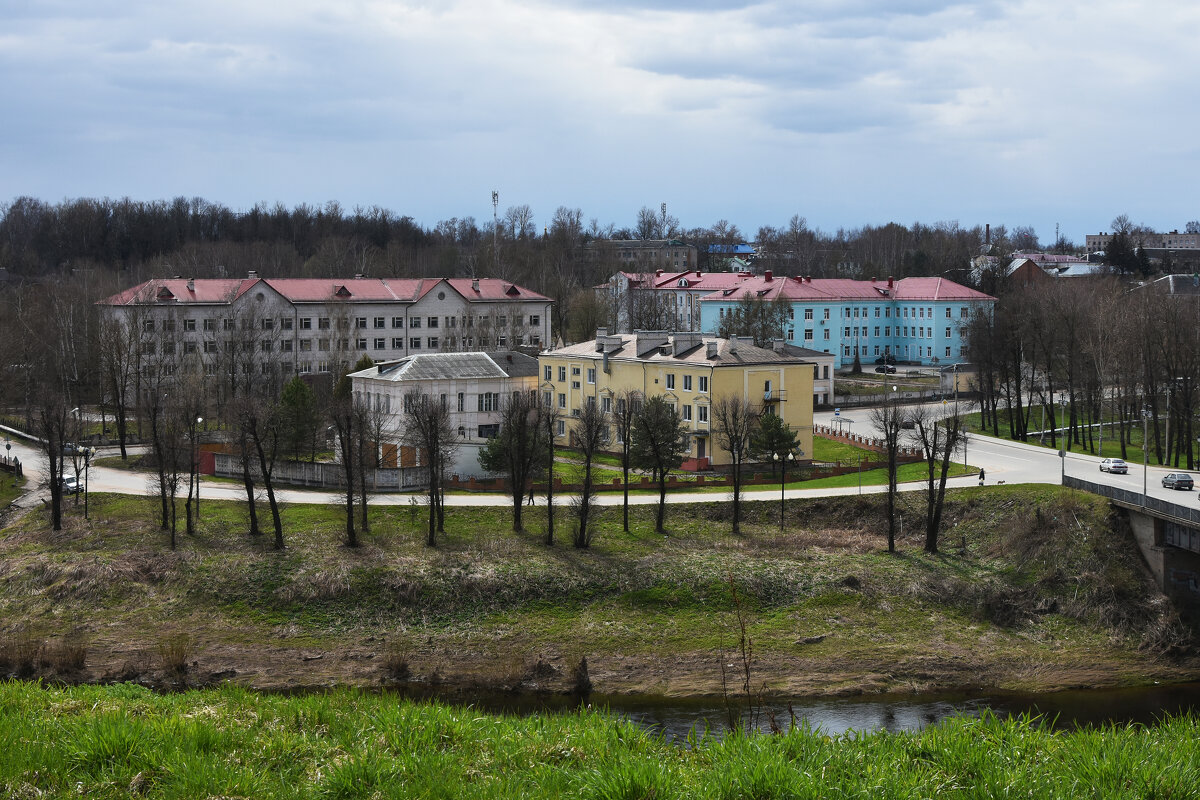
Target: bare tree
[(627, 405), (428, 429), (341, 414), (591, 432), (119, 343), (733, 423), (889, 419), (549, 421), (938, 440), (518, 449)]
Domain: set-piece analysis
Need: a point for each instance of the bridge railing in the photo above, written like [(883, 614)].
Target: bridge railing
[(1152, 504)]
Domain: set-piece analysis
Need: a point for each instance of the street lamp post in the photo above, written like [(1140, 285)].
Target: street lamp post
[(196, 467), (783, 462), (88, 452), (1145, 452)]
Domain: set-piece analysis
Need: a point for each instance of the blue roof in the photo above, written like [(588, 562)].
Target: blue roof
[(731, 249)]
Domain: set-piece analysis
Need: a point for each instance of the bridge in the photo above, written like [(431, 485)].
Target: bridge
[(1168, 535)]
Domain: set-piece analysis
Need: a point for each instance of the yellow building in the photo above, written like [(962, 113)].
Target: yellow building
[(691, 371)]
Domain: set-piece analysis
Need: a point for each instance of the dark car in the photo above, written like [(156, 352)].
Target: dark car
[(886, 369), (1177, 480)]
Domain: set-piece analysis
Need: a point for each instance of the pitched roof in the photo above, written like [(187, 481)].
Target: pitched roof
[(319, 290), (838, 289), (449, 366), (730, 352)]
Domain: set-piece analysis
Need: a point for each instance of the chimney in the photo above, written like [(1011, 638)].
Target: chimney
[(358, 276), (777, 345), (891, 281), (658, 273), (711, 348), (192, 285), (767, 276), (475, 285), (252, 274), (601, 332), (987, 233)]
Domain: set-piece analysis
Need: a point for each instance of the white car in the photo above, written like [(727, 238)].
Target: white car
[(70, 484), (1116, 466)]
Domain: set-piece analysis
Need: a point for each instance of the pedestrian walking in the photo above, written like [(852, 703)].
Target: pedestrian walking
[(981, 476)]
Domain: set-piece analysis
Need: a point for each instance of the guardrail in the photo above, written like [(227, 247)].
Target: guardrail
[(1189, 514)]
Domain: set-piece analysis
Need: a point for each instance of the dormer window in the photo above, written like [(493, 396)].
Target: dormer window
[(341, 291), (165, 294)]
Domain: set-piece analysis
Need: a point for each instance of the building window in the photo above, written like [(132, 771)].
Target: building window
[(433, 322), (285, 323), (211, 347), (562, 400), (574, 384), (574, 370), (305, 367), (606, 405), (148, 325), (433, 343), (265, 346), (189, 347), (267, 324), (547, 398), (323, 345), (489, 401), (962, 312), (360, 323), (379, 322), (397, 322), (687, 383), (501, 341), (189, 324), (360, 344), (397, 343), (380, 343), (702, 414), (562, 373), (415, 322), (687, 412), (562, 428), (305, 345), (947, 352), (947, 316), (285, 346), (322, 323), (451, 322), (704, 383), (808, 313), (591, 375), (548, 371), (462, 404), (947, 333), (414, 343), (534, 320), (826, 332), (808, 334), (670, 380)]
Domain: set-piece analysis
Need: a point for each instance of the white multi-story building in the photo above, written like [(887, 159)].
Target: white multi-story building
[(471, 385), (285, 326)]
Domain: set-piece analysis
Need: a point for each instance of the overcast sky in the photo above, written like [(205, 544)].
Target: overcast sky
[(846, 112)]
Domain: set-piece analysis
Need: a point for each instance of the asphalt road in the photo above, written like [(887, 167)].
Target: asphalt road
[(1002, 461)]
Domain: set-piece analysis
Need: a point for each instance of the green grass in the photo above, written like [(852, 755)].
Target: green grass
[(120, 741), (1110, 448), (11, 487)]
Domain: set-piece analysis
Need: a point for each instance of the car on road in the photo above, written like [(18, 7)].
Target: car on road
[(886, 369), (1177, 480), (1117, 466)]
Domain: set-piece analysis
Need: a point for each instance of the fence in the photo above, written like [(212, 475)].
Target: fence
[(322, 475), (905, 454), (11, 466)]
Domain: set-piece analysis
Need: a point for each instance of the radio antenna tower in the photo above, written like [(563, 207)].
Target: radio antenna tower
[(495, 228)]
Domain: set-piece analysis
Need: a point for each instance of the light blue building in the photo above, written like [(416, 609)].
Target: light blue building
[(916, 320)]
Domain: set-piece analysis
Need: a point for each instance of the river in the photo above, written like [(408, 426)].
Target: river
[(676, 718)]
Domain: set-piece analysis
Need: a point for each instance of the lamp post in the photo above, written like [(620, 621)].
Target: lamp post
[(783, 462), (196, 466), (1145, 452), (88, 452)]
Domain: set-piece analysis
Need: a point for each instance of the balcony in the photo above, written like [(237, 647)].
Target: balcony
[(774, 395)]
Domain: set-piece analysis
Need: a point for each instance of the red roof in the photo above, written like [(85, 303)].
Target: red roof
[(203, 290), (317, 290), (838, 289)]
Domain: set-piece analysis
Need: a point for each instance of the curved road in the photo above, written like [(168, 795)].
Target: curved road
[(1002, 460)]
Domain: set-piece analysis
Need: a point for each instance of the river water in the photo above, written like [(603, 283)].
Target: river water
[(677, 718)]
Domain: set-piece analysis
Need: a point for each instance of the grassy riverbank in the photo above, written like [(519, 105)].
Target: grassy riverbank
[(1035, 588), (121, 741)]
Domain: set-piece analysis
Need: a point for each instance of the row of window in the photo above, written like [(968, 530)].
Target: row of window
[(168, 347), (852, 312), (921, 351), (325, 323), (548, 375)]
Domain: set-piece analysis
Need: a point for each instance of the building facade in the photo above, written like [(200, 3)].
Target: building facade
[(471, 385), (691, 371), (662, 299), (318, 325), (920, 321)]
